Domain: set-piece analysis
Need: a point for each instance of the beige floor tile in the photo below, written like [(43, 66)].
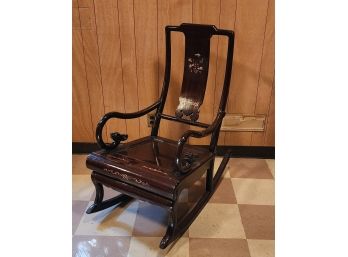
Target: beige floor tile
[(218, 221), (254, 191), (249, 168), (261, 248), (114, 221), (258, 221), (79, 164), (224, 193), (271, 166), (82, 187), (149, 247), (218, 247), (100, 246), (78, 210), (217, 163)]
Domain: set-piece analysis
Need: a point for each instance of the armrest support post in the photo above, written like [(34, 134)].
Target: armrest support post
[(182, 167)]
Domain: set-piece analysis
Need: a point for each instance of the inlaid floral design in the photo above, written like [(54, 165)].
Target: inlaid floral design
[(195, 63)]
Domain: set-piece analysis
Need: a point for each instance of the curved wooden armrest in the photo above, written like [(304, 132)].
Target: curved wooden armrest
[(183, 165), (117, 137)]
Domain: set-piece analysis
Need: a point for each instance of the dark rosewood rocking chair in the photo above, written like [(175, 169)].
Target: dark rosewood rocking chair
[(156, 169)]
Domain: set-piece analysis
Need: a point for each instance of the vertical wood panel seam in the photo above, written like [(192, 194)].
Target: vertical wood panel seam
[(235, 15), (234, 30), (217, 55), (217, 58), (158, 58), (101, 77), (231, 84), (84, 62), (261, 61), (216, 64), (268, 110), (192, 4), (120, 49), (136, 63), (262, 51)]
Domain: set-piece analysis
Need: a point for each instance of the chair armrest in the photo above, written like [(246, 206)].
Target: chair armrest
[(183, 166), (117, 137)]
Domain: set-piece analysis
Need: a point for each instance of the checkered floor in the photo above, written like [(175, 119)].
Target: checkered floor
[(238, 221)]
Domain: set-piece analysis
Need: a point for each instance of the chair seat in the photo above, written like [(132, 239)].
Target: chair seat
[(147, 163)]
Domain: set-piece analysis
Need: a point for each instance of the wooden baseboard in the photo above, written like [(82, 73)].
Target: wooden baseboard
[(262, 152)]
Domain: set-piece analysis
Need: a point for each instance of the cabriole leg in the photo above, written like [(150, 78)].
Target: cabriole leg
[(171, 229), (99, 204)]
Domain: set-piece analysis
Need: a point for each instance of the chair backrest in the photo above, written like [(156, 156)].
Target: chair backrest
[(196, 68)]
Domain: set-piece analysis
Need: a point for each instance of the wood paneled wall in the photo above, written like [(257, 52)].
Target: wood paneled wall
[(118, 63)]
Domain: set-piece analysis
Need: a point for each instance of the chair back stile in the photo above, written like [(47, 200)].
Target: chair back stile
[(196, 68)]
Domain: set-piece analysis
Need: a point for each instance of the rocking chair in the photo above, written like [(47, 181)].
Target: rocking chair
[(156, 169)]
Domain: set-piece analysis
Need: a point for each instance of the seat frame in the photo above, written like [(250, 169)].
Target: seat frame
[(197, 36)]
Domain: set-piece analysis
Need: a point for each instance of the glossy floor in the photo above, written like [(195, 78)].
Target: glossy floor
[(238, 221)]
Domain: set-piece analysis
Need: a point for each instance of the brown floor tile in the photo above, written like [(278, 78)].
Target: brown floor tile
[(249, 168), (224, 193), (79, 164), (100, 246), (258, 221), (78, 209), (217, 247)]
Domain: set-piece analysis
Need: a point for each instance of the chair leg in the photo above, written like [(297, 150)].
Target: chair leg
[(99, 204), (209, 178), (220, 171), (171, 229)]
